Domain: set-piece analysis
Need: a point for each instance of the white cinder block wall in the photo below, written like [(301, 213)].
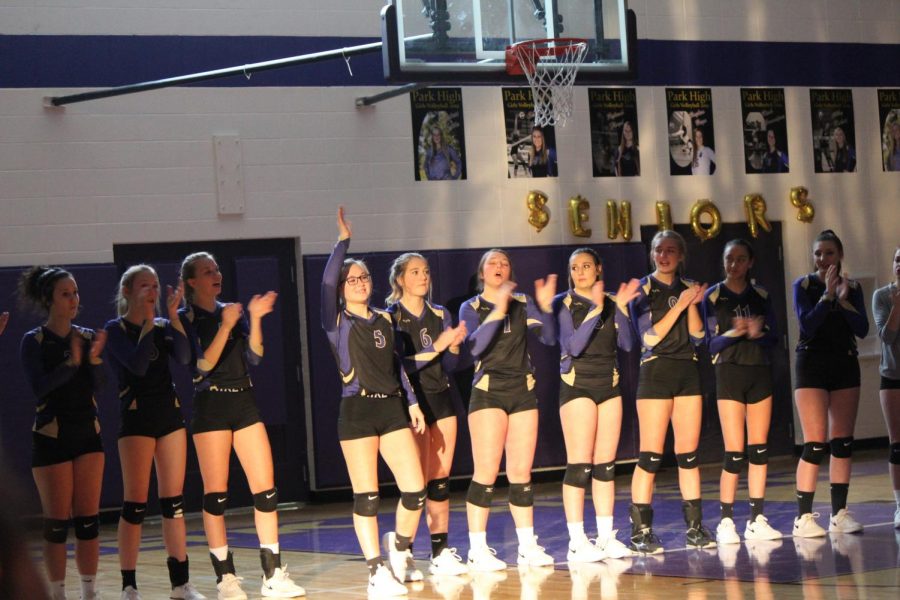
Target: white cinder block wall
[(139, 168)]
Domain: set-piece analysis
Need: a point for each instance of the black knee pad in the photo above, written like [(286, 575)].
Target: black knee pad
[(895, 454), (650, 461), (605, 471), (266, 501), (480, 494), (87, 528), (413, 500), (732, 462), (521, 494), (172, 507), (134, 512), (814, 452), (577, 475), (366, 504), (214, 503), (56, 530), (439, 489), (687, 460), (842, 447), (758, 454)]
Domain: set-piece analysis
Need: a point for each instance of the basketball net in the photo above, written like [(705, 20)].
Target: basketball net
[(550, 66)]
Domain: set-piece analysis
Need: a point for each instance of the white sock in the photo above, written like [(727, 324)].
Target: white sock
[(897, 497), (477, 539), (221, 553), (87, 585), (272, 547), (576, 531), (57, 589), (526, 536), (604, 526)]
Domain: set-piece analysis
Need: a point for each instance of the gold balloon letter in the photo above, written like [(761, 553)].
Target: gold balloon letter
[(701, 231), (578, 214), (755, 209), (538, 216), (663, 215), (800, 199), (618, 220)]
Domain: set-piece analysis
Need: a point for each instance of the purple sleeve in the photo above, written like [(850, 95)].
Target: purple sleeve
[(770, 333), (854, 311), (42, 382), (572, 340), (544, 322), (565, 325), (810, 315), (641, 317), (717, 342), (179, 346), (407, 385), (133, 357), (243, 328), (331, 279), (449, 359), (624, 330), (479, 335)]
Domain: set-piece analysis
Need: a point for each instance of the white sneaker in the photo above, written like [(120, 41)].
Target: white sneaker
[(533, 556), (280, 585), (230, 588), (584, 551), (447, 562), (612, 547), (402, 563), (129, 593), (805, 526), (485, 559), (726, 532), (186, 592), (843, 522), (760, 529), (383, 584)]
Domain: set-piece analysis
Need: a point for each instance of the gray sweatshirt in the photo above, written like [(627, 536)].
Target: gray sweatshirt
[(890, 338)]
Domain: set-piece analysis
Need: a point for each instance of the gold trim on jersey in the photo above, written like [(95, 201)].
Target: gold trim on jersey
[(568, 378), (529, 381), (650, 338), (714, 294), (484, 383), (349, 376), (436, 311), (615, 379), (50, 430), (530, 322)]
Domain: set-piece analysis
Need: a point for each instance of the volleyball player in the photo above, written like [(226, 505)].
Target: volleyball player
[(592, 325), (374, 415), (669, 324), (152, 427), (741, 329), (63, 363), (831, 312), (431, 350), (226, 417), (503, 406)]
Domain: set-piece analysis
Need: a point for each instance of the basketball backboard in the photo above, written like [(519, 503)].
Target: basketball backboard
[(465, 40)]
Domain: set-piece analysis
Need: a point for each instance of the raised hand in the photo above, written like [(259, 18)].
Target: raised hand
[(173, 300), (231, 313), (544, 291), (4, 319), (461, 333), (344, 231), (832, 279), (686, 297), (740, 326), (76, 348), (701, 291), (261, 305), (504, 293), (627, 292), (597, 295), (755, 327), (97, 345), (843, 287)]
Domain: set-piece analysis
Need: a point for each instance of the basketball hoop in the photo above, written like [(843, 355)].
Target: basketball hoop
[(550, 66)]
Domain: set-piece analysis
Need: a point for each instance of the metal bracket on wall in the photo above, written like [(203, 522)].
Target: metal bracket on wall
[(403, 89)]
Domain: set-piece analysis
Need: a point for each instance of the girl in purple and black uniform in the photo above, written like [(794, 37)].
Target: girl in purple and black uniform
[(832, 313), (669, 324), (503, 407), (226, 417), (740, 327), (592, 326), (63, 364), (430, 350), (152, 431), (374, 415)]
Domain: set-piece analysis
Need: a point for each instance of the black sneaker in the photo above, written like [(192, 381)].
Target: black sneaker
[(698, 536), (645, 541)]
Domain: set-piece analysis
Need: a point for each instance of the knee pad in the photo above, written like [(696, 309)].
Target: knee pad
[(605, 471), (439, 489), (895, 454), (413, 500), (650, 461), (687, 460), (214, 503), (577, 475), (56, 530), (172, 507), (134, 512), (521, 494), (842, 447), (266, 501), (480, 494), (733, 462), (366, 504), (87, 528), (758, 454), (814, 452)]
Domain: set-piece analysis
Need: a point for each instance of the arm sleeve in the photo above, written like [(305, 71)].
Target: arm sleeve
[(134, 357), (479, 336), (577, 339), (179, 346), (854, 311), (643, 320), (717, 342), (809, 315), (545, 323), (624, 330), (770, 331), (330, 282), (193, 343), (406, 383), (881, 309), (450, 356), (243, 328), (42, 382)]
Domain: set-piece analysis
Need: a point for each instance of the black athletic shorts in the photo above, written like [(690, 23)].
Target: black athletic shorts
[(820, 370), (370, 416), (889, 384), (73, 439), (748, 384), (437, 406), (663, 378), (154, 418), (224, 411), (599, 393), (510, 399)]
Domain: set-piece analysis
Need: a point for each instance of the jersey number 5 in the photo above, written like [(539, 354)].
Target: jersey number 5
[(380, 342)]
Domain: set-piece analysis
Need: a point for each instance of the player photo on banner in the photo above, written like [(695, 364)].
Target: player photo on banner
[(834, 133), (765, 130), (614, 132), (889, 122), (439, 141), (692, 141), (530, 150)]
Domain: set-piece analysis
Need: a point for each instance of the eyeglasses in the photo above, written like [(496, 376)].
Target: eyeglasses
[(352, 281)]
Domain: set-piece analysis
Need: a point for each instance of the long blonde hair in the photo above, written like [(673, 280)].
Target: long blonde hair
[(398, 268), (127, 281), (672, 235)]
